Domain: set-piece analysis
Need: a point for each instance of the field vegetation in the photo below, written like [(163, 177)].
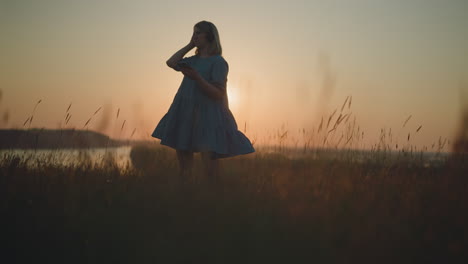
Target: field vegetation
[(315, 203)]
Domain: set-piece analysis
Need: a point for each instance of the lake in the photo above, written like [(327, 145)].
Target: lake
[(70, 157), (121, 156)]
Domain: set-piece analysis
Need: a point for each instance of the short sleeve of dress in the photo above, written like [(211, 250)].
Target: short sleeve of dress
[(189, 60), (219, 72)]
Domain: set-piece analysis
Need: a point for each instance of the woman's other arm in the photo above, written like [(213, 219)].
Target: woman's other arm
[(172, 61), (215, 90)]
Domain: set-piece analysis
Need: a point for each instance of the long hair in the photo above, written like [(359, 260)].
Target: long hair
[(212, 37)]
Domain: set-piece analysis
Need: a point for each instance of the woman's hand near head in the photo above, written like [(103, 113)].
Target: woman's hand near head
[(191, 44)]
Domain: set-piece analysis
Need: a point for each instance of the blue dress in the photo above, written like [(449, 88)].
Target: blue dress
[(198, 123)]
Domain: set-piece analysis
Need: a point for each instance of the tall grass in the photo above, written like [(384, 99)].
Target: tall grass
[(267, 208), (386, 205)]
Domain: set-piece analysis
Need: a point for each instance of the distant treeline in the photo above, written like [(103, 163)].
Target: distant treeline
[(53, 139)]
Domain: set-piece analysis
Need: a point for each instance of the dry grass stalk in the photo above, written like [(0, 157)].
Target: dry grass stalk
[(347, 117), (97, 110), (339, 141), (68, 119), (349, 139), (342, 107), (6, 116), (25, 122), (87, 122), (409, 117), (38, 102), (320, 126), (330, 118)]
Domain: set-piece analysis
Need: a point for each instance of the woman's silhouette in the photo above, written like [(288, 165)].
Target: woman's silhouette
[(199, 119)]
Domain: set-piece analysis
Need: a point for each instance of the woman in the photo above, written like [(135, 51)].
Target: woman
[(199, 119)]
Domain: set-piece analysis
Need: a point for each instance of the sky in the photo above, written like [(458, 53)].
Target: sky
[(290, 64)]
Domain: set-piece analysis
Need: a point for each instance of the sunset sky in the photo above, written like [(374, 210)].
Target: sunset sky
[(290, 63)]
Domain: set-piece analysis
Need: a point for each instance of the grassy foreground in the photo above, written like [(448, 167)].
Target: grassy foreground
[(266, 209)]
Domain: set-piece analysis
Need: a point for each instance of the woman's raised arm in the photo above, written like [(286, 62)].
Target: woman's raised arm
[(172, 61)]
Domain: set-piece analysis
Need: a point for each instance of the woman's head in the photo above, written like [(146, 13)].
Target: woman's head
[(206, 34)]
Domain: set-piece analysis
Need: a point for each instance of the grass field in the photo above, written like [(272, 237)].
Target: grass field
[(312, 199), (267, 208)]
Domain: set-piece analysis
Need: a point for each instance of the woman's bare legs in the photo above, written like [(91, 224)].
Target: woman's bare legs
[(185, 163), (211, 167)]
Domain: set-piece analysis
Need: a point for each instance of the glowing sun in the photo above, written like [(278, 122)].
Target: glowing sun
[(233, 97)]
